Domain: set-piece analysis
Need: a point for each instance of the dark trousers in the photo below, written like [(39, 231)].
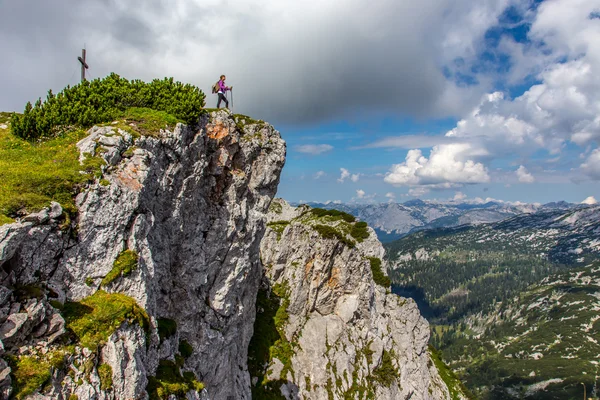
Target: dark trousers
[(222, 98)]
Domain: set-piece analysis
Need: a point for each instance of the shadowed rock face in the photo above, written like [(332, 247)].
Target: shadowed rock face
[(348, 337), (191, 204)]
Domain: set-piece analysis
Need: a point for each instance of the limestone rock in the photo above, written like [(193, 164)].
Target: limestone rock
[(342, 327)]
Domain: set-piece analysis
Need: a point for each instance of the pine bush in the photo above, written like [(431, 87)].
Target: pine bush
[(103, 100)]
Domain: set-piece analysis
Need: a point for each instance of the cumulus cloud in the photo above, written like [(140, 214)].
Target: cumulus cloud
[(314, 149), (391, 196), (590, 201), (459, 196), (360, 193), (524, 176), (591, 166), (283, 79), (345, 174), (418, 191), (447, 166)]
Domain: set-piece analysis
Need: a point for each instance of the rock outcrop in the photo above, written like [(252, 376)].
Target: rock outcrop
[(156, 278), (337, 334)]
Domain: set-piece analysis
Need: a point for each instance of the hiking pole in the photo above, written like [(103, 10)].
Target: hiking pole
[(231, 99)]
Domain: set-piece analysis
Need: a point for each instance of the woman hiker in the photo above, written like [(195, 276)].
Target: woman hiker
[(221, 92)]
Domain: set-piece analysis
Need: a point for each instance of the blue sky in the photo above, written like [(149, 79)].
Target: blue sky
[(378, 101)]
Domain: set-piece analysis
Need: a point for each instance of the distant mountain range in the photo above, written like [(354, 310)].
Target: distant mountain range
[(393, 221)]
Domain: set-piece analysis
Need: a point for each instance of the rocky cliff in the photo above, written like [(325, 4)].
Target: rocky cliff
[(151, 289), (337, 332)]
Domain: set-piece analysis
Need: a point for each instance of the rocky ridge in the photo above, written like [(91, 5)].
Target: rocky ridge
[(158, 273), (337, 334)]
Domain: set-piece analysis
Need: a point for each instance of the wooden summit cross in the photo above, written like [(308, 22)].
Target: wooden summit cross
[(84, 66)]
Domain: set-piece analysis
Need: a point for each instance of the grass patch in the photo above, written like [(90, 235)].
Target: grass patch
[(378, 276), (276, 207), (148, 122), (385, 373), (93, 319), (278, 227), (169, 381), (269, 341), (105, 373), (34, 174), (166, 328), (329, 232), (30, 373), (455, 386), (124, 265)]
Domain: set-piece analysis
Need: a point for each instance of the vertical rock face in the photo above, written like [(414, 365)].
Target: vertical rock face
[(190, 205), (337, 334)]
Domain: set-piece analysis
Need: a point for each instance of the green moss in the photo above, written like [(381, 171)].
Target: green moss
[(359, 231), (104, 182), (129, 152), (30, 373), (185, 349), (166, 328), (378, 276), (73, 397), (169, 381), (125, 263), (89, 281), (329, 232), (34, 174), (93, 319), (385, 373), (106, 374)]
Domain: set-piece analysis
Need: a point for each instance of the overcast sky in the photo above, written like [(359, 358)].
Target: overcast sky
[(435, 98)]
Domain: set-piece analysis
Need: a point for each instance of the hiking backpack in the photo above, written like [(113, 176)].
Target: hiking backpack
[(216, 88)]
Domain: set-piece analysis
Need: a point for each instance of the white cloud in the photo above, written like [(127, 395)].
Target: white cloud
[(418, 191), (390, 196), (591, 166), (360, 193), (459, 196), (345, 175), (319, 174), (447, 166), (314, 149), (590, 201), (524, 175)]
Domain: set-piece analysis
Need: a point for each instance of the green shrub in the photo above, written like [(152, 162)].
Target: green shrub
[(73, 397), (329, 232), (185, 349), (124, 265), (378, 276), (103, 100), (320, 212), (166, 328), (93, 319), (106, 374), (359, 231), (169, 381)]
